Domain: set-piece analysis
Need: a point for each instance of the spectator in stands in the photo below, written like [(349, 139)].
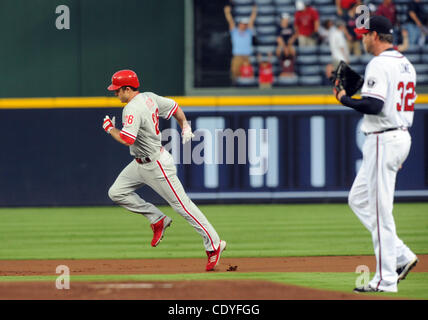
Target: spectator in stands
[(265, 71), (242, 40), (343, 6), (388, 10), (416, 24), (306, 24), (246, 71), (323, 33), (404, 45), (354, 41), (287, 66), (285, 37), (285, 50), (338, 45)]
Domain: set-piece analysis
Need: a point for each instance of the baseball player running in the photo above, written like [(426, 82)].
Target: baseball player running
[(388, 96), (152, 164)]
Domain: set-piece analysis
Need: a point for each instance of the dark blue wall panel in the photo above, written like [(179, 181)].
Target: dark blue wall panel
[(60, 157)]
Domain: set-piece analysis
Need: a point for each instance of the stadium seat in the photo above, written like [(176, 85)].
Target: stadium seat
[(365, 58), (326, 10), (266, 39), (266, 30), (324, 59), (284, 2), (413, 49), (263, 2), (353, 59), (290, 9), (324, 49), (266, 10), (359, 68), (422, 78), (242, 10), (425, 48), (421, 68), (424, 58), (414, 58), (306, 50), (265, 20), (322, 2), (243, 2), (310, 80), (287, 81), (265, 49), (310, 70), (307, 59), (246, 82)]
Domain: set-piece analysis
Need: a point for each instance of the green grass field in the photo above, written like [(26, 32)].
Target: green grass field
[(251, 231)]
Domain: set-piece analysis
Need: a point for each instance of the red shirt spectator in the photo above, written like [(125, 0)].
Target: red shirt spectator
[(304, 21), (246, 70), (346, 4), (265, 72), (387, 9)]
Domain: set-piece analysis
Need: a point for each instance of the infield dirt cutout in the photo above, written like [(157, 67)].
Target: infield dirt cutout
[(176, 290)]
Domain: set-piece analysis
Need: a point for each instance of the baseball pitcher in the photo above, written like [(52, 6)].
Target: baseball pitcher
[(152, 164), (388, 97)]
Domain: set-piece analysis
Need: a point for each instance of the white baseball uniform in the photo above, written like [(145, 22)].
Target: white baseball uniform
[(155, 167), (391, 78)]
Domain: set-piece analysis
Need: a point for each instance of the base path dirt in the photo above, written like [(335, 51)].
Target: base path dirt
[(187, 290), (172, 266)]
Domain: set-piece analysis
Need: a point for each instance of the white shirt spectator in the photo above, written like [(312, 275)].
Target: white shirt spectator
[(338, 45)]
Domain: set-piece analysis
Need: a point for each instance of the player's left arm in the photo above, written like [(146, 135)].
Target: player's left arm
[(186, 130)]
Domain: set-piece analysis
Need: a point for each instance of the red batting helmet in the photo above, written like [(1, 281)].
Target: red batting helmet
[(124, 78)]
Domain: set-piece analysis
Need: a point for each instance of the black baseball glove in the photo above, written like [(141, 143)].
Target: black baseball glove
[(344, 78)]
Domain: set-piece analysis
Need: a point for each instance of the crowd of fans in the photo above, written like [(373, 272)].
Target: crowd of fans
[(307, 29)]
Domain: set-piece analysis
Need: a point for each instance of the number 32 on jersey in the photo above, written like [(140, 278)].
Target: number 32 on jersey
[(407, 97)]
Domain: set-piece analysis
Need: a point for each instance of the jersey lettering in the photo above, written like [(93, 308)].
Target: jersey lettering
[(155, 118)]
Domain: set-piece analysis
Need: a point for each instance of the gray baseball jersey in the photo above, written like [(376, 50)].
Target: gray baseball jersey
[(140, 119)]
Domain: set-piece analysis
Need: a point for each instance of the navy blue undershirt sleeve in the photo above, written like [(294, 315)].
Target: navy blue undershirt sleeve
[(366, 105)]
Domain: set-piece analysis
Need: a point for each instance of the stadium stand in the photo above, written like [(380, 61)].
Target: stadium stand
[(311, 62)]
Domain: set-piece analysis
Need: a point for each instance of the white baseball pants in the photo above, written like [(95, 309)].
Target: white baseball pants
[(371, 198), (161, 175)]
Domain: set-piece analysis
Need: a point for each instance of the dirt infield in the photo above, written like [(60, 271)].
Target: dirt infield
[(175, 290)]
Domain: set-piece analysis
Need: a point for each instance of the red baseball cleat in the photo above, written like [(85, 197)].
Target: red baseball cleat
[(214, 256), (159, 229)]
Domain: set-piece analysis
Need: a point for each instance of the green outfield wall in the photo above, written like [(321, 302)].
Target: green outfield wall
[(39, 60)]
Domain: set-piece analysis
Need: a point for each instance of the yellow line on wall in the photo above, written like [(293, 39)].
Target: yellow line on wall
[(204, 101)]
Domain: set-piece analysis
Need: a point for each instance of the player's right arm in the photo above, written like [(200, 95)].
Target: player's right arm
[(373, 92), (131, 124), (116, 134)]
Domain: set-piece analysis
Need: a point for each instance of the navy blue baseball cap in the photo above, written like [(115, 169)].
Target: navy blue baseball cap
[(380, 24)]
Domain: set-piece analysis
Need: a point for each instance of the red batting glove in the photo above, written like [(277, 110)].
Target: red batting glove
[(108, 124)]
